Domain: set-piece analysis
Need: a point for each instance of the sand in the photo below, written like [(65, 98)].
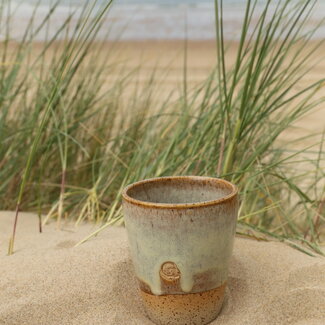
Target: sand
[(167, 59), (49, 281)]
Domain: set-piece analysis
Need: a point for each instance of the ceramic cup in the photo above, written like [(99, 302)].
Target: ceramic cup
[(181, 233)]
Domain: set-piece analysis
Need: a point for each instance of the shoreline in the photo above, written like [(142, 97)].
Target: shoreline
[(153, 19)]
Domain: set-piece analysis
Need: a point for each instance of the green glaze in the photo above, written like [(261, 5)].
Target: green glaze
[(197, 236)]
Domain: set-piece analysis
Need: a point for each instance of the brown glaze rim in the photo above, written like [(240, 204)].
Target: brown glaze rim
[(129, 199)]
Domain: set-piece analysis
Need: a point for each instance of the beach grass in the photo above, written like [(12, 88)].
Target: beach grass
[(70, 144)]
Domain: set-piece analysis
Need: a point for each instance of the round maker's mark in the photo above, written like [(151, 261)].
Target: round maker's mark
[(170, 272)]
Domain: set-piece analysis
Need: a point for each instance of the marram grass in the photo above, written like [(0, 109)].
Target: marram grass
[(70, 145)]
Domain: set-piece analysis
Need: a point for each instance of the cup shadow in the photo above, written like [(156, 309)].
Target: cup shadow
[(125, 291)]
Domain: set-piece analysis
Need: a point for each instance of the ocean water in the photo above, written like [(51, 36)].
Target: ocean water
[(143, 19)]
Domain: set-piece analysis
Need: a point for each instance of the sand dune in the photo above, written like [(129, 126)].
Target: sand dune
[(48, 281)]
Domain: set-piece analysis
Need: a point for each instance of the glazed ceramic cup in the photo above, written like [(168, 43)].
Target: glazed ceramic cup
[(181, 233)]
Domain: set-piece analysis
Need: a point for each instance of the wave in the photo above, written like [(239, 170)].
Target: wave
[(142, 20)]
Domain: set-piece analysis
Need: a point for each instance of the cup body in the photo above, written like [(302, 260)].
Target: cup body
[(181, 231)]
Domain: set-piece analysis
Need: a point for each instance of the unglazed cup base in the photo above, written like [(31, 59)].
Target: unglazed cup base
[(184, 309)]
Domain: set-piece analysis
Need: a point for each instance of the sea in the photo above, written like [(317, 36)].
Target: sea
[(141, 19)]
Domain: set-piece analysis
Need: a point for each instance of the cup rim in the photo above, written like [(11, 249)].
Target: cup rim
[(129, 199)]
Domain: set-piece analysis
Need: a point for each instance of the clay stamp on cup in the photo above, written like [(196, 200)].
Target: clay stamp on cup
[(170, 272)]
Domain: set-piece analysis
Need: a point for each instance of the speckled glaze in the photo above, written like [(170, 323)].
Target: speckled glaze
[(181, 232)]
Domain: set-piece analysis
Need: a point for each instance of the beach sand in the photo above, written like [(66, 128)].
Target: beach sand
[(49, 281), (166, 58), (163, 61)]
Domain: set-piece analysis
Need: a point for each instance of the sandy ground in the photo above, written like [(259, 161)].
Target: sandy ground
[(167, 59), (48, 281)]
